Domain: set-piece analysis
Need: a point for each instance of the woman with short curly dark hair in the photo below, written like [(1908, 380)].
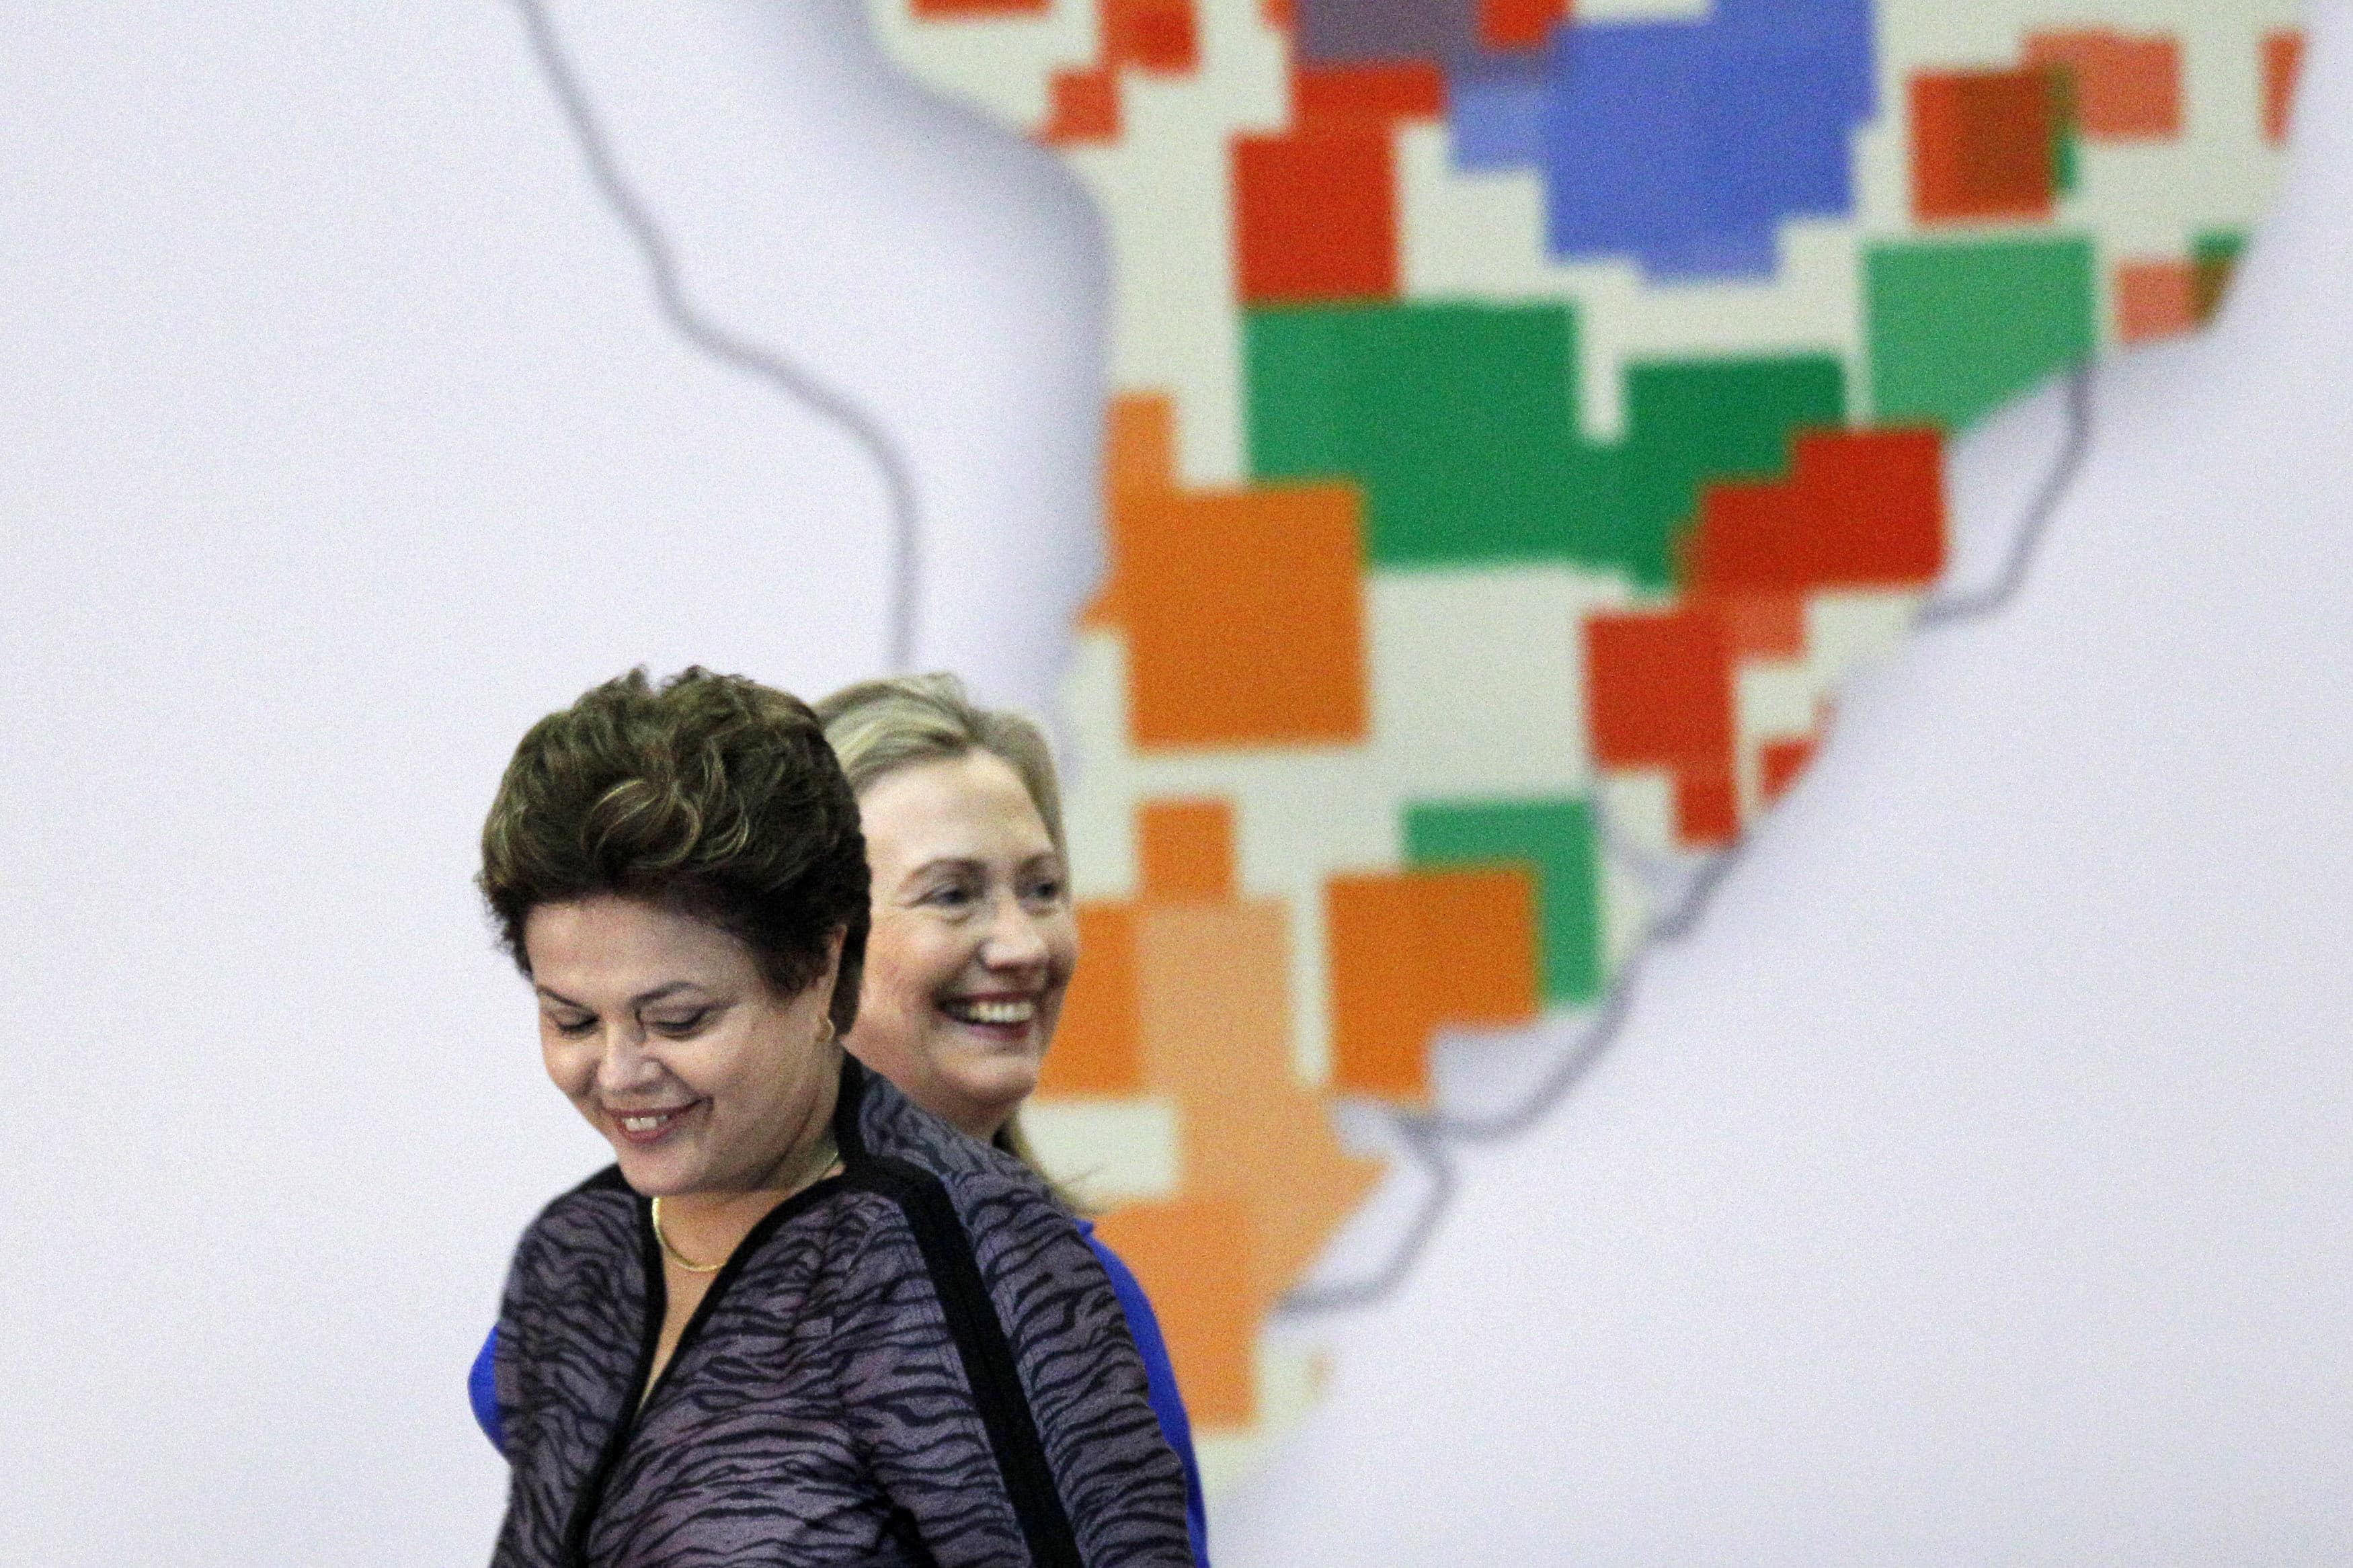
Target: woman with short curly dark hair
[(800, 1320)]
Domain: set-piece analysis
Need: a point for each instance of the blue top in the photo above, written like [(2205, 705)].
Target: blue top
[(481, 1386)]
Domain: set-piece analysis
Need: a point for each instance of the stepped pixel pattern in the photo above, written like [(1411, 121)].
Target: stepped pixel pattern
[(1525, 416)]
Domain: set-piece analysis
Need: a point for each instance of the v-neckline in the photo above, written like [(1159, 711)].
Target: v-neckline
[(645, 1386), (648, 1383)]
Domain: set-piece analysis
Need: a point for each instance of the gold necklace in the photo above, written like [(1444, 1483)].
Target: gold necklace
[(674, 1255), (825, 1153)]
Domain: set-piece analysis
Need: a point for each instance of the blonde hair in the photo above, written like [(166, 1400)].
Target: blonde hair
[(877, 727)]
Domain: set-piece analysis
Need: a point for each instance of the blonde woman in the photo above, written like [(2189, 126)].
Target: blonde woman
[(973, 941)]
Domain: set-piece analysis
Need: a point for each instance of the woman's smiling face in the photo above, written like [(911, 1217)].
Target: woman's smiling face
[(973, 939), (662, 1032)]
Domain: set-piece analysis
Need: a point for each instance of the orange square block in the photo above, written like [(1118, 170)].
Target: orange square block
[(1099, 1043), (2126, 87), (2283, 66), (1659, 689), (1416, 950), (1984, 145), (1216, 987), (1192, 1257), (1157, 36), (2155, 300), (1315, 216), (1140, 443), (1185, 850), (1245, 616), (1139, 454)]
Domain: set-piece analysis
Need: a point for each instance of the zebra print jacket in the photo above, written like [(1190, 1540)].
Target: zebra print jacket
[(916, 1362)]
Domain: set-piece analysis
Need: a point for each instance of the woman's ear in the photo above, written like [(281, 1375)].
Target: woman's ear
[(830, 979)]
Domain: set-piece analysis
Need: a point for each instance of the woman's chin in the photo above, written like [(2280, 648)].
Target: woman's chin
[(988, 1088), (654, 1173)]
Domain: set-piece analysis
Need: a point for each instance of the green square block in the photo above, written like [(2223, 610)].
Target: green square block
[(1556, 839), (1459, 420), (1690, 422), (2067, 159), (2067, 135), (1958, 328), (1461, 423), (2217, 248)]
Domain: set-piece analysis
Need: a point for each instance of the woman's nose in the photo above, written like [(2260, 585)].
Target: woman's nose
[(1014, 940), (623, 1064)]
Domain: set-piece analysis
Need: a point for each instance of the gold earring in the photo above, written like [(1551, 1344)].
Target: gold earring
[(826, 1039)]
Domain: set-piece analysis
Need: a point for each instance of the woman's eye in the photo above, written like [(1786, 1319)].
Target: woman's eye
[(954, 896), (678, 1028), (1047, 890), (573, 1028)]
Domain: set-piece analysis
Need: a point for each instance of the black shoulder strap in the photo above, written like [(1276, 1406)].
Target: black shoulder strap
[(987, 1355)]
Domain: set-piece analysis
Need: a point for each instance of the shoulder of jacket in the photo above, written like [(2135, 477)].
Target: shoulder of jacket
[(604, 1203)]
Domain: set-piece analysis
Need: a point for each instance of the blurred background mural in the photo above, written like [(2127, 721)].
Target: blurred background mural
[(1524, 417), (1710, 837)]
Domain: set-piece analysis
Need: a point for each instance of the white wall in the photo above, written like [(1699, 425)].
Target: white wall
[(343, 438), (1969, 1188)]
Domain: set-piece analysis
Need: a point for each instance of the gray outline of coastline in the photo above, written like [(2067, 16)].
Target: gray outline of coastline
[(778, 370), (1683, 888)]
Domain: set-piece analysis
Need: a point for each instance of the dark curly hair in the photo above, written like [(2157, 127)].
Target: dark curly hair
[(711, 796)]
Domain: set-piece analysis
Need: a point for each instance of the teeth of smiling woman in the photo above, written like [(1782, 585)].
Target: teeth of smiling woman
[(994, 1012), (646, 1123)]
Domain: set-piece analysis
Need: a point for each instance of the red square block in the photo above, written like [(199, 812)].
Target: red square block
[(1659, 689), (1765, 626), (1083, 106), (1751, 538), (1517, 24), (1707, 808), (1780, 762), (1861, 508), (1315, 216), (1380, 93), (1880, 496), (1984, 145), (1154, 36)]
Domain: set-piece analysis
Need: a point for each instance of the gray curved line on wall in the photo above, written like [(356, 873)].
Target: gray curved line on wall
[(829, 403), (1429, 1137)]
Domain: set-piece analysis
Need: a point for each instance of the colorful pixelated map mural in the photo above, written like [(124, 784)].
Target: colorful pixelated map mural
[(1523, 420)]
